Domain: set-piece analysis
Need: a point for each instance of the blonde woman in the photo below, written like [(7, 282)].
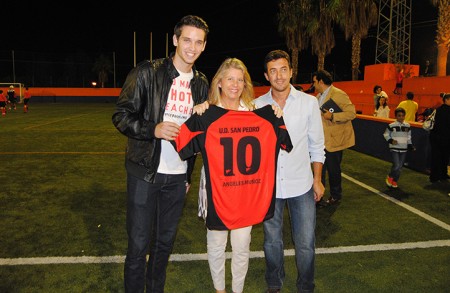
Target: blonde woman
[(232, 89)]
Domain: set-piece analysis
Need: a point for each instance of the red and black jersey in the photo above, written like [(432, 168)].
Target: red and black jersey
[(239, 150)]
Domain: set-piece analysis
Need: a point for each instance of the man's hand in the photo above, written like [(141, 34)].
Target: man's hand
[(188, 186), (201, 108), (319, 190), (167, 130), (327, 115)]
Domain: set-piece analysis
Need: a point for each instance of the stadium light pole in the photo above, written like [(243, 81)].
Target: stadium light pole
[(114, 66), (134, 48), (167, 45), (14, 67), (151, 45)]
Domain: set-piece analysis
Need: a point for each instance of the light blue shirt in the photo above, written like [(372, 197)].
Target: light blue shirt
[(301, 115), (323, 95)]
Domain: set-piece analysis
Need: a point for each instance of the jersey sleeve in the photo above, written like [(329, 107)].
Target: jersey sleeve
[(191, 137), (284, 140)]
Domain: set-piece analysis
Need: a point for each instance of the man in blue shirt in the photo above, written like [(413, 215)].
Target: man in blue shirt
[(297, 185)]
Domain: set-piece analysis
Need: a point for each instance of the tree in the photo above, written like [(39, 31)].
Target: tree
[(443, 35), (292, 21), (102, 67), (321, 29), (357, 16)]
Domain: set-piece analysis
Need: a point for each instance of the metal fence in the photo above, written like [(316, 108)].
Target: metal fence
[(45, 69)]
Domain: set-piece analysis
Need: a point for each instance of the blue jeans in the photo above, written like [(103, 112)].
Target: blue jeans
[(398, 159), (302, 214), (153, 213)]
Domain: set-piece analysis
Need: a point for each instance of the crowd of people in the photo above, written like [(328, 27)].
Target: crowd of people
[(398, 134), (9, 101), (169, 112)]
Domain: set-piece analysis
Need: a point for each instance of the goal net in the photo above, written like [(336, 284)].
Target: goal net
[(19, 88)]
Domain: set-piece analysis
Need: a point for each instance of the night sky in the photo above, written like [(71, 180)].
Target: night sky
[(245, 29)]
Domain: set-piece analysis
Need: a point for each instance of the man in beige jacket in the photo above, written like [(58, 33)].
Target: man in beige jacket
[(337, 115)]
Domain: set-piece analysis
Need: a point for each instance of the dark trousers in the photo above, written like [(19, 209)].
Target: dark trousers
[(440, 155), (332, 166), (153, 214)]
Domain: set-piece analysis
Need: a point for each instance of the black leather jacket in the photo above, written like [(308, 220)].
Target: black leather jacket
[(140, 107)]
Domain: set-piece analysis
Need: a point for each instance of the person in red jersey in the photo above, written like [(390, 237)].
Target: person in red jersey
[(3, 102), (26, 100)]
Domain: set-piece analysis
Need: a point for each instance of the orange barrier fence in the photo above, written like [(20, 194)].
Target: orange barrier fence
[(426, 90), (71, 92)]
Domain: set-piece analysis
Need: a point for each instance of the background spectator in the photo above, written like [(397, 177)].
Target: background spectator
[(382, 108), (338, 131), (378, 92), (11, 97), (398, 135), (399, 82), (410, 107), (440, 141), (26, 99), (3, 102), (427, 69)]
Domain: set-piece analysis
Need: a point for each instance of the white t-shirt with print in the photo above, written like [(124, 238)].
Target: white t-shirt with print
[(179, 108)]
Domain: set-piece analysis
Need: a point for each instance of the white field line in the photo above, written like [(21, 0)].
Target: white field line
[(204, 257), (254, 254), (402, 204)]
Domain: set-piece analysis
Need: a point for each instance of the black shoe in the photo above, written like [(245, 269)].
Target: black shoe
[(272, 290), (332, 201)]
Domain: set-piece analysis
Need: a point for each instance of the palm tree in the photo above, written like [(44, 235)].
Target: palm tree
[(321, 30), (357, 16), (443, 35), (292, 20), (103, 66)]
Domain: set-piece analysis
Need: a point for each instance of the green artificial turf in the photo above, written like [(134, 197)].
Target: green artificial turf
[(63, 194)]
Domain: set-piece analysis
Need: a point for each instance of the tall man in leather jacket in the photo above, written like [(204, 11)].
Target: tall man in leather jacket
[(156, 98)]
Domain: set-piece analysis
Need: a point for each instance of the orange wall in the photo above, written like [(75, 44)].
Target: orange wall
[(426, 92), (426, 89), (70, 92)]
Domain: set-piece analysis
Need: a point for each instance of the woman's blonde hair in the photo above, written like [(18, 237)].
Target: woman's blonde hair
[(247, 95)]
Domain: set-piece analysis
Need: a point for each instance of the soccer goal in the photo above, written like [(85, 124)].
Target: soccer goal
[(19, 88)]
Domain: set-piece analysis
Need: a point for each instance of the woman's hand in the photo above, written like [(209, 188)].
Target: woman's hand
[(277, 110), (201, 108)]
